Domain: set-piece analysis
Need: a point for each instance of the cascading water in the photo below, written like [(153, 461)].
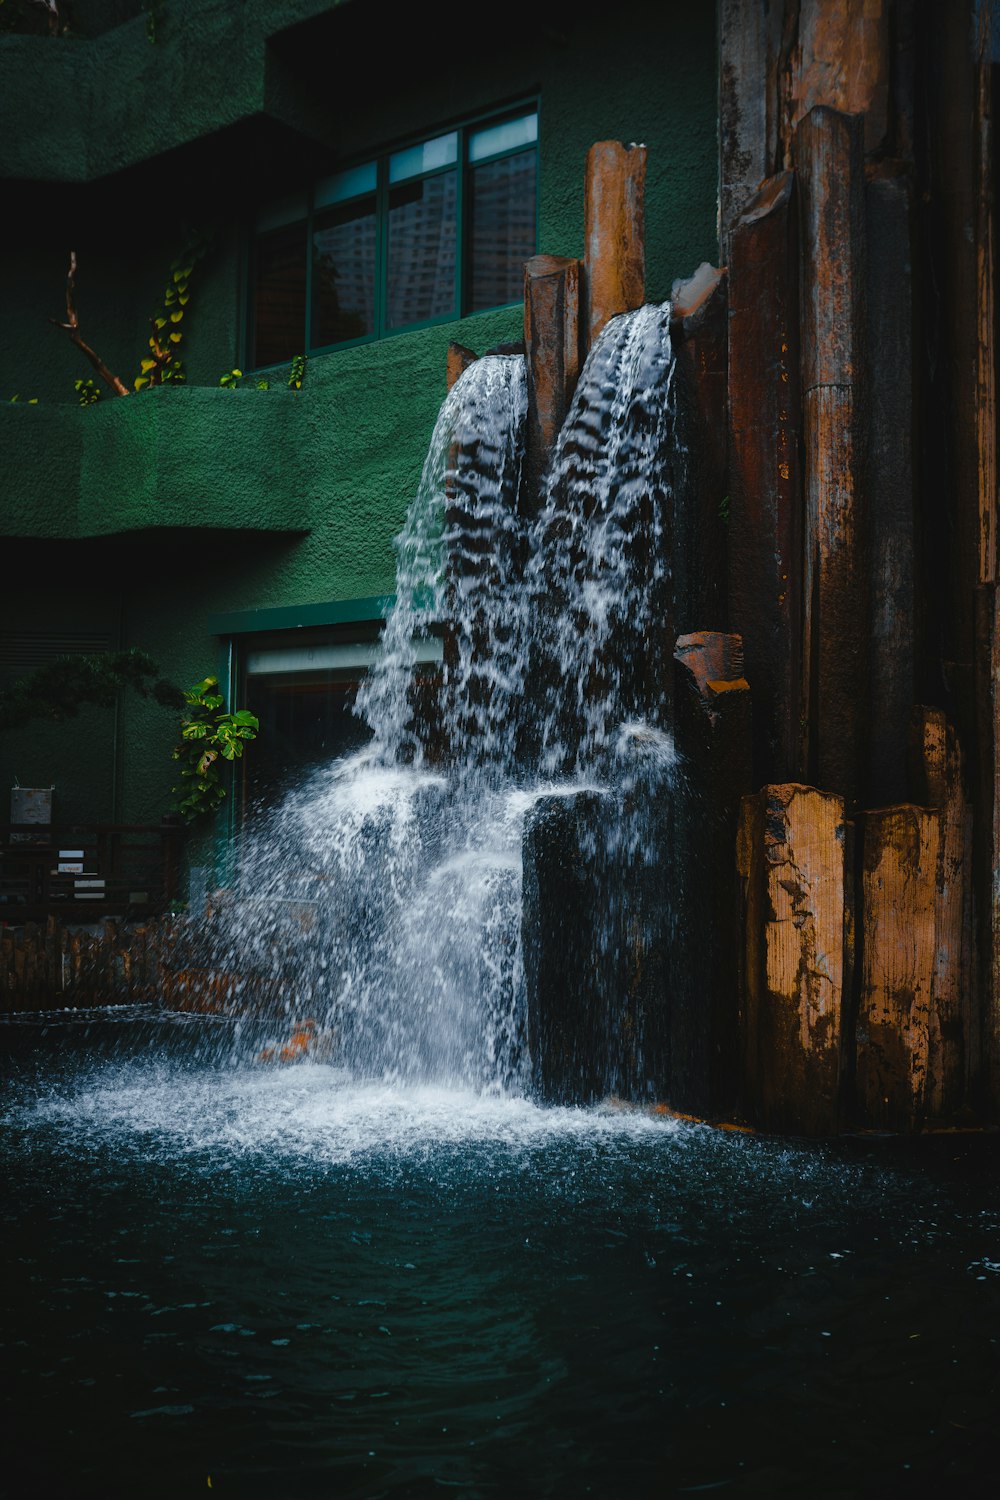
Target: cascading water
[(383, 897)]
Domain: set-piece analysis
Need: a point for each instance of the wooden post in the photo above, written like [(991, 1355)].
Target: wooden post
[(797, 955), (713, 737), (614, 233), (751, 42), (765, 481), (699, 333), (842, 59), (459, 360), (552, 346), (835, 655), (953, 1063), (892, 440), (902, 848)]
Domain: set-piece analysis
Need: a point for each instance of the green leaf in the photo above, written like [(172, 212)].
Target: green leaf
[(147, 364), (175, 317), (175, 338), (139, 382)]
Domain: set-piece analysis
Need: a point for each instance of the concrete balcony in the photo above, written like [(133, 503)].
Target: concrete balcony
[(177, 457)]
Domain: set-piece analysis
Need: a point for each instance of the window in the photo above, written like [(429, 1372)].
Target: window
[(427, 233)]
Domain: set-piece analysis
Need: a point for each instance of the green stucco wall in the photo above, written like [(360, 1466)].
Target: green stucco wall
[(188, 502)]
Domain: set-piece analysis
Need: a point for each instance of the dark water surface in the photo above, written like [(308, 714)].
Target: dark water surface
[(293, 1284)]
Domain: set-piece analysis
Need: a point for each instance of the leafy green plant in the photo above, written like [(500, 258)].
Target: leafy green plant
[(724, 510), (208, 736), (231, 379), (88, 391), (32, 400), (298, 372), (163, 365), (262, 385)]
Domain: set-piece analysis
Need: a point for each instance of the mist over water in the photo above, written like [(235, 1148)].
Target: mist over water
[(383, 898)]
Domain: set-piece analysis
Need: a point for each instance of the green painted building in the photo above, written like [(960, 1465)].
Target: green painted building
[(369, 180)]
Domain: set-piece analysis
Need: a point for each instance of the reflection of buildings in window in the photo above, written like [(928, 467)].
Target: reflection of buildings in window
[(421, 271)]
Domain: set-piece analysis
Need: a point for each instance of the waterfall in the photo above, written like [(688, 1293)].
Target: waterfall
[(383, 898)]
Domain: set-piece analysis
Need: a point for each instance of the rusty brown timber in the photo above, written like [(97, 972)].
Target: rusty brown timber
[(552, 351), (954, 1053), (835, 648), (699, 334), (614, 233), (751, 41), (842, 59), (458, 361), (902, 848), (765, 481), (892, 441), (712, 731), (796, 953)]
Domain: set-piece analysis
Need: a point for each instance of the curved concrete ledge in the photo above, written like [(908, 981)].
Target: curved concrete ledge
[(189, 457)]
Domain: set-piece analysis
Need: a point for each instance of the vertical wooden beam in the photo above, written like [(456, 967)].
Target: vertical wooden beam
[(614, 233), (750, 52), (842, 60), (552, 350), (898, 907), (986, 400), (459, 360), (765, 495), (954, 1031), (792, 858), (890, 483), (713, 736), (830, 170), (699, 334)]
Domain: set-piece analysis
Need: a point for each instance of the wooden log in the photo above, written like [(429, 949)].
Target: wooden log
[(954, 1029), (751, 42), (552, 346), (712, 731), (459, 360), (842, 60), (593, 938), (986, 397), (614, 233), (699, 334), (892, 440), (797, 952), (835, 648), (902, 849), (765, 480)]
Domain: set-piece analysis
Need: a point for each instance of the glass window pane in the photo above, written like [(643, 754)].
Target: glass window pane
[(493, 139), (280, 296), (421, 273), (502, 229), (426, 157), (343, 293), (349, 184)]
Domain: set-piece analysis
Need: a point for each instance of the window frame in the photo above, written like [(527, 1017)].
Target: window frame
[(463, 169)]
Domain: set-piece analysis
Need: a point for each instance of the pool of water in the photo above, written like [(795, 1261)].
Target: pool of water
[(286, 1282)]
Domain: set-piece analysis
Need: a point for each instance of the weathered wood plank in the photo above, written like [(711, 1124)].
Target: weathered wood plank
[(459, 360), (899, 901), (953, 1047), (614, 233), (986, 398), (713, 736), (892, 439), (750, 51), (552, 347), (842, 60), (765, 480), (792, 858), (699, 334), (835, 648)]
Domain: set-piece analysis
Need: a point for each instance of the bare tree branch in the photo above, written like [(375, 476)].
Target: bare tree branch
[(72, 328)]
